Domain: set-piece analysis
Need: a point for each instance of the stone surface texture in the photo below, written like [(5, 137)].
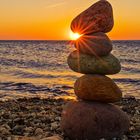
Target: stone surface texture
[(97, 18), (93, 121), (88, 64), (97, 44), (97, 88)]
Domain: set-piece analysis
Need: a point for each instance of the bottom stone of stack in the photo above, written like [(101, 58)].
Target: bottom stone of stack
[(83, 120)]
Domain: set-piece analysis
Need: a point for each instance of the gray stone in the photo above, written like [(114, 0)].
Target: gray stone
[(18, 129), (54, 125), (4, 131), (38, 132), (88, 64)]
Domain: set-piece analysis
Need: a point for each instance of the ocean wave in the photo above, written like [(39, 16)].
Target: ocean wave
[(24, 87), (128, 81), (25, 64), (130, 69), (52, 75), (129, 60)]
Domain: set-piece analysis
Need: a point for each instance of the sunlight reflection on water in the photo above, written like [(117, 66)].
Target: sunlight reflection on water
[(40, 69)]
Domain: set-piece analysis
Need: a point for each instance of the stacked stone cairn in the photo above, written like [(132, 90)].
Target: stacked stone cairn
[(93, 116)]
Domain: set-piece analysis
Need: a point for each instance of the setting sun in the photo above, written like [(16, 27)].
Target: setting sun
[(74, 36)]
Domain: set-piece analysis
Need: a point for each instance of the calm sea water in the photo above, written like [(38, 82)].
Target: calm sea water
[(39, 68)]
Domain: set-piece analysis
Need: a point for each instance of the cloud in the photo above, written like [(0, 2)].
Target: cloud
[(55, 5)]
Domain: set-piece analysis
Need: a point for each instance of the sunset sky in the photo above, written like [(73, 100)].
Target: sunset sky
[(50, 19)]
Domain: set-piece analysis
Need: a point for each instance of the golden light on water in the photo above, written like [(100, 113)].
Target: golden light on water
[(74, 36)]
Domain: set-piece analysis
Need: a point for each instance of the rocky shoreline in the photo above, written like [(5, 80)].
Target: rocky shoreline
[(35, 119)]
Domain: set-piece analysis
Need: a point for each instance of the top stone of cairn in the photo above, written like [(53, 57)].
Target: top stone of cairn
[(97, 18)]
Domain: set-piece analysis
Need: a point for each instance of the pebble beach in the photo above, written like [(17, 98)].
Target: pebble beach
[(86, 88), (39, 119)]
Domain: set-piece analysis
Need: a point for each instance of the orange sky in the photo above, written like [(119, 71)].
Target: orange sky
[(50, 19)]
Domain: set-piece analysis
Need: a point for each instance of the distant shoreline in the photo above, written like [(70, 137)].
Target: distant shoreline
[(56, 40)]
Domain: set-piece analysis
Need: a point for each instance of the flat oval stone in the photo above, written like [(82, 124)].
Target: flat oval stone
[(97, 18), (97, 88), (97, 44), (93, 120), (88, 64)]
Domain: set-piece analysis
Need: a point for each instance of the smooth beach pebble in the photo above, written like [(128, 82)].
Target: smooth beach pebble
[(93, 121), (97, 18), (53, 138), (97, 44), (88, 64), (97, 88)]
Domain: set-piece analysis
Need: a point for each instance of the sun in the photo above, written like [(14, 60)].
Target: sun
[(74, 36)]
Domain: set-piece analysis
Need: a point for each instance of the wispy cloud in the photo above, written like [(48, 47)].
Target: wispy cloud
[(56, 5)]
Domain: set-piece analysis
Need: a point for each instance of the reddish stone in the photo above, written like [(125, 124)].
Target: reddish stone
[(97, 18), (97, 88), (97, 44), (92, 121)]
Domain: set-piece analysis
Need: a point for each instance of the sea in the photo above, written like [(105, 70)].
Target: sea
[(39, 69)]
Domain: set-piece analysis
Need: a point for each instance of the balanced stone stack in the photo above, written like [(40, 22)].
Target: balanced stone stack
[(93, 116)]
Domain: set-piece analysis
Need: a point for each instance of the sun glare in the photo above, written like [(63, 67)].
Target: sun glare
[(74, 36)]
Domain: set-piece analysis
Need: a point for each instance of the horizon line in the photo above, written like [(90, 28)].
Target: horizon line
[(60, 40)]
